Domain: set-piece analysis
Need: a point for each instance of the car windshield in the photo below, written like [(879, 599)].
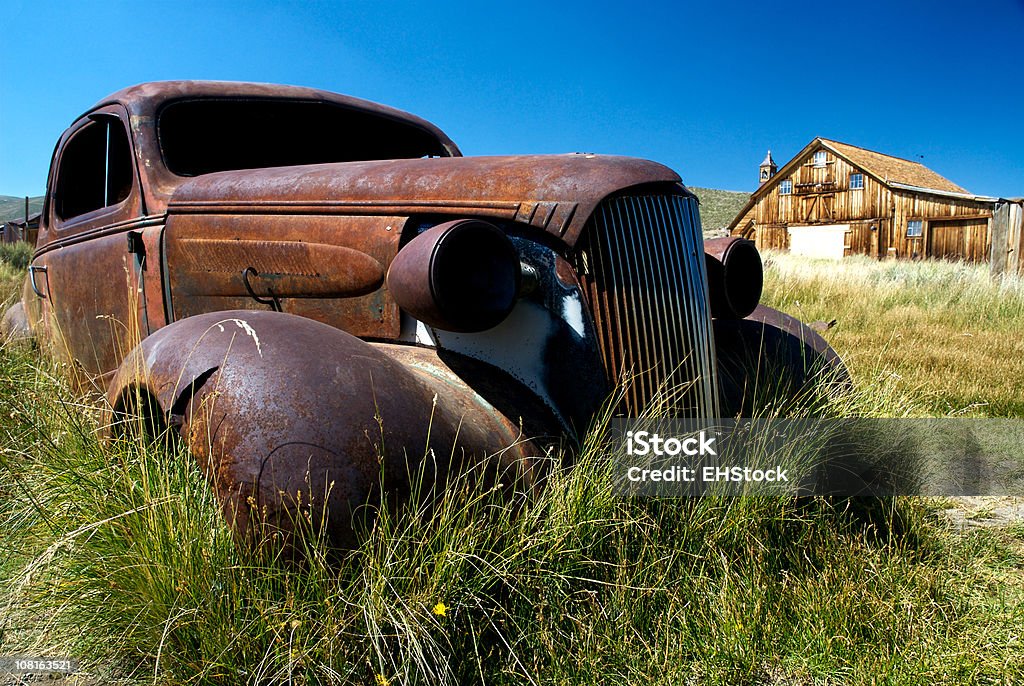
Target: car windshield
[(210, 135)]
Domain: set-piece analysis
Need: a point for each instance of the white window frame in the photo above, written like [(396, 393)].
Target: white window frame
[(860, 181), (911, 233), (820, 158), (786, 187)]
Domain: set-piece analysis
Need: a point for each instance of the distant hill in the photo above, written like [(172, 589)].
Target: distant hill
[(12, 207), (719, 208)]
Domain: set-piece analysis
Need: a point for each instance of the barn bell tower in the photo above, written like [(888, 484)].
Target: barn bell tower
[(768, 168)]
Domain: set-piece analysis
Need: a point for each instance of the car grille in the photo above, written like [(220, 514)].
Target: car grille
[(641, 264)]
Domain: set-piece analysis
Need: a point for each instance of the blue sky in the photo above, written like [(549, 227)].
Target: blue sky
[(704, 88)]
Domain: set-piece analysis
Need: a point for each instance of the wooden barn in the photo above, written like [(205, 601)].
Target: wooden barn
[(835, 199)]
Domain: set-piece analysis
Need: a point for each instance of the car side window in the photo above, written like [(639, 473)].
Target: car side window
[(95, 169)]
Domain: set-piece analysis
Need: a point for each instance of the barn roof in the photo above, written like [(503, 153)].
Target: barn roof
[(888, 168), (894, 172), (31, 218)]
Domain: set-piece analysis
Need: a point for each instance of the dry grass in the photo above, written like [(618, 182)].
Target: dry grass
[(118, 556), (948, 339), (14, 259)]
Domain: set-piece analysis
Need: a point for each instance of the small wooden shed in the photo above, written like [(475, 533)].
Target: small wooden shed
[(834, 199), (1008, 237), (24, 230)]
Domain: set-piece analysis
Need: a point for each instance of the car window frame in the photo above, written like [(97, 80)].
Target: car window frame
[(128, 208)]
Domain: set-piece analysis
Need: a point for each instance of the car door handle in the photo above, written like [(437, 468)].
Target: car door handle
[(32, 269)]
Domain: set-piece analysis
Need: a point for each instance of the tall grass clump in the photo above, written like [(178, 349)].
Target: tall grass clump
[(11, 274), (16, 255), (118, 555)]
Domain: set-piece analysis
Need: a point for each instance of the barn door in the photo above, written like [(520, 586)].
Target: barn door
[(818, 208), (958, 240)]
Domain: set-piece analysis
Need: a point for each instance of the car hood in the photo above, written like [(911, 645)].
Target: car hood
[(556, 193)]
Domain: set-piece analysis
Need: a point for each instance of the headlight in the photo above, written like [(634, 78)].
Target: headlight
[(459, 276), (735, 276)]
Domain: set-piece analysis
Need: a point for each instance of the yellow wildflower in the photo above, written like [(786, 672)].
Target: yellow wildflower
[(440, 609), (380, 680)]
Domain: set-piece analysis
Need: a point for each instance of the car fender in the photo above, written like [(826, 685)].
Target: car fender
[(287, 415), (770, 356)]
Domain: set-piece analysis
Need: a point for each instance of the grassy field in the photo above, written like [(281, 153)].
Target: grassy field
[(942, 335), (119, 556)]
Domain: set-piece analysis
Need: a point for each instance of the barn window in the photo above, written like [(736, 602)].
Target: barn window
[(820, 158), (856, 182), (785, 187), (915, 227)]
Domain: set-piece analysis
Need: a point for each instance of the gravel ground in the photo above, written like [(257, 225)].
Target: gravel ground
[(992, 512)]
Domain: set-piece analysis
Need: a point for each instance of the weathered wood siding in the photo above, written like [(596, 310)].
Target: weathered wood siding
[(953, 228), (1015, 239), (877, 214), (1007, 237)]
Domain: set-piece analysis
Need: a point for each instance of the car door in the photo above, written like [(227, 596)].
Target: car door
[(88, 273)]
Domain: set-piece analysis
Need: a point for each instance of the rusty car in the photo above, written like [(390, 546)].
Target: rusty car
[(320, 294)]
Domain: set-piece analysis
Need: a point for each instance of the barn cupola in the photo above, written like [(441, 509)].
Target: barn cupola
[(768, 167)]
